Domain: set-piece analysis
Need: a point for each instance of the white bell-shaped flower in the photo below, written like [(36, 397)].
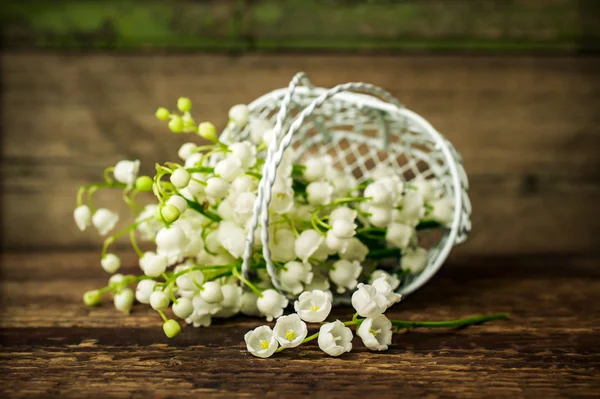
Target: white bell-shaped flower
[(110, 263), (414, 260), (411, 210), (379, 216), (313, 306), (442, 211), (282, 243), (271, 304), (178, 202), (342, 183), (335, 243), (193, 160), (190, 280), (186, 150), (391, 279), (104, 220), (216, 188), (171, 242), (239, 114), (319, 282), (203, 307), (258, 127), (211, 292), (335, 338), (242, 184), (307, 243), (248, 304), (232, 300), (143, 291), (243, 207), (294, 275), (199, 319), (183, 308), (376, 332), (343, 228), (315, 168), (148, 224), (343, 213), (123, 300), (229, 168), (232, 238), (153, 264), (428, 188), (126, 172), (245, 151), (83, 217), (261, 342), (385, 289), (159, 300), (355, 250), (345, 274), (398, 235), (379, 193), (319, 193), (290, 331), (282, 197), (368, 302)]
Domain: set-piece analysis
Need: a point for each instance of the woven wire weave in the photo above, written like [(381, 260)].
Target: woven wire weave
[(360, 126)]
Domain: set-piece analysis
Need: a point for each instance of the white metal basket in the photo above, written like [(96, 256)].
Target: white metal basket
[(360, 126)]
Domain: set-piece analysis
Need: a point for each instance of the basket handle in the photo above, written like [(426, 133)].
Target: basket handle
[(299, 78), (270, 168)]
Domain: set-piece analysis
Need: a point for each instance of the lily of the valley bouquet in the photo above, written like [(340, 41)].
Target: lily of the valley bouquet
[(327, 235)]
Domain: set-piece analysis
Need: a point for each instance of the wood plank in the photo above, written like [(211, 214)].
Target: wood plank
[(376, 25), (526, 126), (52, 346)]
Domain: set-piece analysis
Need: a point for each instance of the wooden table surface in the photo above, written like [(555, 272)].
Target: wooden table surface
[(52, 345)]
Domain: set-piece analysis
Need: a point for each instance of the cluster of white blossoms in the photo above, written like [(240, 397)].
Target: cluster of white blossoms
[(327, 231), (335, 338)]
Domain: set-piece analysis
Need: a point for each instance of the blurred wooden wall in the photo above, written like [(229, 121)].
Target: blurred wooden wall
[(521, 106)]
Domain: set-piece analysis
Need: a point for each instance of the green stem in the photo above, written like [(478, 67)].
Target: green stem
[(200, 209), (134, 243), (342, 201), (466, 321), (384, 253), (119, 234), (236, 273)]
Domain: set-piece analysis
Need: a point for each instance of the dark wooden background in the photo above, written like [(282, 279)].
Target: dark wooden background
[(515, 85)]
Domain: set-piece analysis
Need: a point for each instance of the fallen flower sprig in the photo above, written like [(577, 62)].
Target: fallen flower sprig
[(335, 338)]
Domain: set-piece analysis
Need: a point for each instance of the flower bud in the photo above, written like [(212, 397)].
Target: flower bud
[(239, 114), (170, 213), (83, 217), (171, 328), (92, 298), (180, 178), (208, 131), (184, 104), (176, 124), (159, 300), (163, 114), (110, 263), (143, 183)]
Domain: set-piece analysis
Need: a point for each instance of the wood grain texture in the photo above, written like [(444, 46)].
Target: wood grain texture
[(527, 128), (53, 346)]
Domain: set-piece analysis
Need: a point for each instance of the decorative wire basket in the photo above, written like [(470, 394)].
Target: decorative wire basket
[(360, 126)]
